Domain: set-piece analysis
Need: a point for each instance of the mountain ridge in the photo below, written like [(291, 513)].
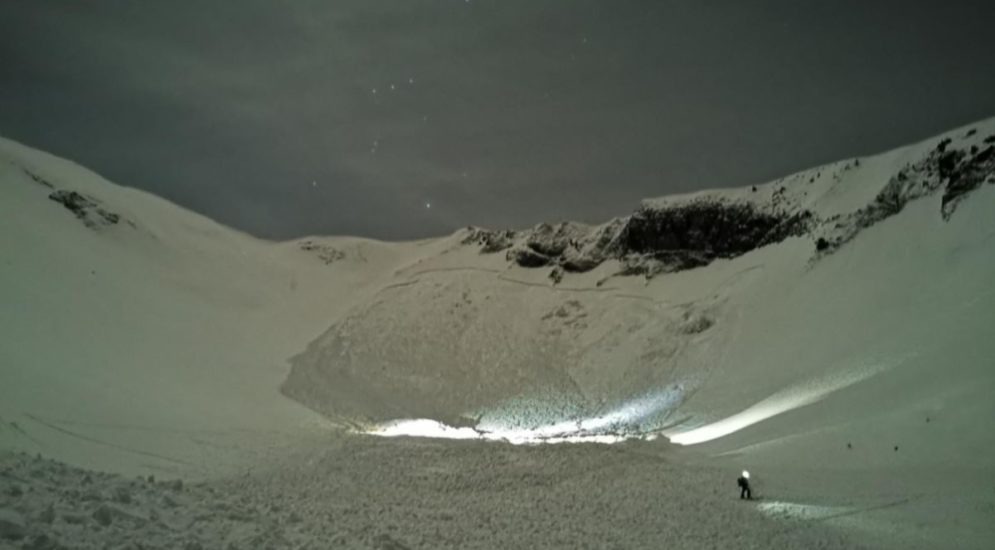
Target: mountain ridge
[(680, 232)]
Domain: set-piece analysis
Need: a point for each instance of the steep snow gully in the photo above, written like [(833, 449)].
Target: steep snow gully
[(829, 331)]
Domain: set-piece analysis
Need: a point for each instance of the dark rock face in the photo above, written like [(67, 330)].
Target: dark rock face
[(964, 173), (86, 209), (546, 240), (527, 257), (688, 233), (580, 264), (665, 261), (490, 241), (676, 238), (706, 230), (651, 241), (956, 172)]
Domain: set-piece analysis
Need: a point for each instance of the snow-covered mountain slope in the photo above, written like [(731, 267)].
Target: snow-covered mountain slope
[(136, 335), (448, 330), (858, 273), (838, 319)]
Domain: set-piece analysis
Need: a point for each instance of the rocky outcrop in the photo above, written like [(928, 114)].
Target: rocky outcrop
[(489, 241), (85, 208), (670, 235), (651, 241), (326, 253), (964, 171), (954, 171), (693, 235), (38, 179)]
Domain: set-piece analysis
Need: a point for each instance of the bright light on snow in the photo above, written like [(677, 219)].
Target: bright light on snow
[(617, 425), (424, 428), (781, 402)]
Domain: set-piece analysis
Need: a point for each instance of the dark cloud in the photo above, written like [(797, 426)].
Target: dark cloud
[(263, 114)]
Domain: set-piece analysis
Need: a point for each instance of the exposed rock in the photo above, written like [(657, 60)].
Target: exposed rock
[(653, 240), (527, 257), (669, 261), (964, 172), (713, 229), (552, 240), (696, 324), (85, 208), (38, 179), (956, 171), (490, 241), (325, 253), (556, 275), (683, 233), (581, 264)]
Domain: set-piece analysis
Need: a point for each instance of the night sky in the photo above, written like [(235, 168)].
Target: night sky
[(411, 118)]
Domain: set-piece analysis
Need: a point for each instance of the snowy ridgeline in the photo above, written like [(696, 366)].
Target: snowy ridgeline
[(685, 232)]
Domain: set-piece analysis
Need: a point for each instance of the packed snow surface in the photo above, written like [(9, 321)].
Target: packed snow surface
[(829, 331)]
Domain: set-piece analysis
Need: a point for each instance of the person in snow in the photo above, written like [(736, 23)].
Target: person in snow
[(744, 486)]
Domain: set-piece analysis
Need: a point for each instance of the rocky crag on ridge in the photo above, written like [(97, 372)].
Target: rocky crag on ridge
[(679, 233)]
